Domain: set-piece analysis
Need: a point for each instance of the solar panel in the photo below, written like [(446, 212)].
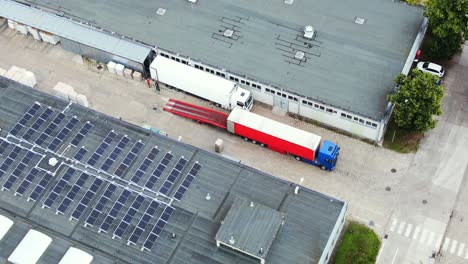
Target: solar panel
[(50, 128), (129, 158), (143, 223), (9, 160), (63, 134), (86, 199), (131, 212), (158, 228), (81, 134), (80, 154), (115, 153), (75, 189), (183, 187), (58, 188), (25, 118), (27, 181), (158, 171), (101, 148), (144, 165), (105, 197), (3, 146), (38, 123), (114, 211), (18, 170), (164, 189), (40, 187)]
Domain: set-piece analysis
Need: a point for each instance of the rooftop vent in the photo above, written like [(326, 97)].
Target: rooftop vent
[(53, 162), (359, 20), (299, 55), (228, 33), (289, 2), (193, 1), (309, 32), (161, 11)]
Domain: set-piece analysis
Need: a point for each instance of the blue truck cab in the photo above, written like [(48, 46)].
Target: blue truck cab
[(327, 156)]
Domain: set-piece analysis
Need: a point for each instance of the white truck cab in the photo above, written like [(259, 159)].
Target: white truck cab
[(242, 98)]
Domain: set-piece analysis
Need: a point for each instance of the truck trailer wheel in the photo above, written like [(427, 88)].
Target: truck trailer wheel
[(297, 158), (253, 141), (245, 138), (262, 145)]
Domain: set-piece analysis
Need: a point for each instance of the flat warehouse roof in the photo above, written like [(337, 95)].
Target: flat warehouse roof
[(121, 188), (348, 65)]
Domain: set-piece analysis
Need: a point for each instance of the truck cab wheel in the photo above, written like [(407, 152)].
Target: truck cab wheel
[(322, 167)]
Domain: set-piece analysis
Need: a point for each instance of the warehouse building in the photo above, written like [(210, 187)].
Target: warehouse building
[(76, 184), (332, 62)]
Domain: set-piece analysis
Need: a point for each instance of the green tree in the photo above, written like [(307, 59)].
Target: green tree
[(417, 99), (448, 23)]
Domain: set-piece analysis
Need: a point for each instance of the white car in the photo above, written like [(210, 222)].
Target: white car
[(432, 68)]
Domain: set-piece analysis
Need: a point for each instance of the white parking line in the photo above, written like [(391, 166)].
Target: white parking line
[(446, 244), (380, 253), (392, 228), (401, 227), (466, 256), (423, 236), (416, 232), (394, 256), (460, 249), (431, 239), (408, 230), (454, 246)]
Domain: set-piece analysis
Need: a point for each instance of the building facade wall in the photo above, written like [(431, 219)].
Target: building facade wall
[(334, 236)]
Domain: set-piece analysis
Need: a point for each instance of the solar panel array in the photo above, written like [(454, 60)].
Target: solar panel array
[(38, 123), (50, 128), (83, 195), (25, 118), (115, 153), (102, 147), (183, 187), (164, 189), (144, 165), (81, 134), (63, 134), (127, 161), (153, 178)]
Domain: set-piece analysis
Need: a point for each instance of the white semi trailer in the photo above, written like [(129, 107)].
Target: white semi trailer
[(222, 92)]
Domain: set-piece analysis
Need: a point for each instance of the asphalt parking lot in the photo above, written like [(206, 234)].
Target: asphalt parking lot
[(380, 186)]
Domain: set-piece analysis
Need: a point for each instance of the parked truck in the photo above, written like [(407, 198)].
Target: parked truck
[(221, 92), (303, 145)]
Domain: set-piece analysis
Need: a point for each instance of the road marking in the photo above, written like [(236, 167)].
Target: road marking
[(408, 230), (431, 238), (438, 242), (416, 232), (423, 236), (460, 249), (394, 256), (454, 246), (380, 253), (446, 244), (392, 228), (466, 256), (401, 227)]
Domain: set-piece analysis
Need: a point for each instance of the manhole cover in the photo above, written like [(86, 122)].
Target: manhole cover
[(388, 189), (424, 201), (393, 170), (371, 223), (386, 236)]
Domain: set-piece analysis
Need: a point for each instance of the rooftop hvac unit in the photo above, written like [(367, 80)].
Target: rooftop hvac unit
[(309, 32)]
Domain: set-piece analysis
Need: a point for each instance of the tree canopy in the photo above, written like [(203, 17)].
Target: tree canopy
[(417, 99), (448, 24)]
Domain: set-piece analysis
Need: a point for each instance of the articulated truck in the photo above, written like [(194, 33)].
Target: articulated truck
[(221, 92), (303, 145)]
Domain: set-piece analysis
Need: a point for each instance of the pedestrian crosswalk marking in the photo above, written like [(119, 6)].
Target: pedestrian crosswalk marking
[(401, 227), (454, 246), (408, 230), (429, 238), (460, 249)]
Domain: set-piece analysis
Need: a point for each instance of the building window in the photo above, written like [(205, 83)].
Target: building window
[(259, 87), (197, 67), (172, 58), (235, 79), (218, 73), (269, 91), (223, 75), (177, 59), (374, 124), (368, 123), (304, 102), (283, 95), (295, 99), (356, 119), (310, 104), (343, 115), (329, 110), (290, 97), (212, 72), (248, 83), (322, 107), (231, 78)]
